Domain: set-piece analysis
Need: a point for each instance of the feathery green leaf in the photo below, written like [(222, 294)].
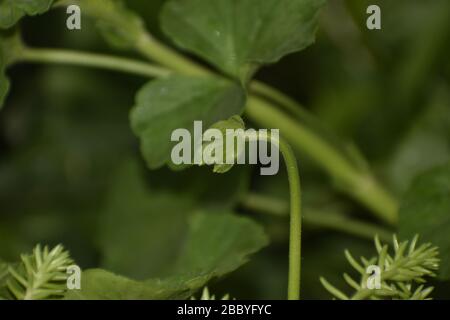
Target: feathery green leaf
[(400, 272), (41, 275)]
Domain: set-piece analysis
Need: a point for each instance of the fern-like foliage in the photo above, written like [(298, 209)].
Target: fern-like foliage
[(41, 275), (402, 274), (207, 296)]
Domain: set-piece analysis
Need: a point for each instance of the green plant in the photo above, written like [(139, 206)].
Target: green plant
[(294, 276), (114, 19), (166, 235), (41, 275), (399, 272)]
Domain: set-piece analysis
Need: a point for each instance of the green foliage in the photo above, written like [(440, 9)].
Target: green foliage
[(164, 234), (177, 246), (233, 123), (425, 145), (215, 244), (41, 275), (156, 219), (425, 209), (11, 11), (98, 284), (154, 226), (10, 49), (238, 36), (3, 278), (176, 102), (407, 266)]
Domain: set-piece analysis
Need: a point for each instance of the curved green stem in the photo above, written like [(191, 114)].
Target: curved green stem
[(354, 181), (360, 185), (156, 51), (295, 232), (131, 66), (68, 57)]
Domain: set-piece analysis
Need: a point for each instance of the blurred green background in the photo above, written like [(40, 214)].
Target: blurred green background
[(65, 139)]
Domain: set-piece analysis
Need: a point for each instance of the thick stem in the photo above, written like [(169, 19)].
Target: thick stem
[(160, 53), (67, 57), (290, 105), (317, 218), (380, 202), (120, 64), (360, 185)]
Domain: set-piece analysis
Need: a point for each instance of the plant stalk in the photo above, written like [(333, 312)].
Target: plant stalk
[(355, 182), (68, 57), (295, 232), (360, 185), (332, 220)]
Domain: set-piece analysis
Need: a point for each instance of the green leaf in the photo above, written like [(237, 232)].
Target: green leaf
[(233, 123), (157, 215), (154, 226), (40, 275), (425, 146), (10, 49), (4, 277), (176, 102), (218, 243), (238, 36), (99, 284), (9, 14), (3, 273), (425, 210), (11, 11), (408, 265), (118, 25), (215, 245)]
